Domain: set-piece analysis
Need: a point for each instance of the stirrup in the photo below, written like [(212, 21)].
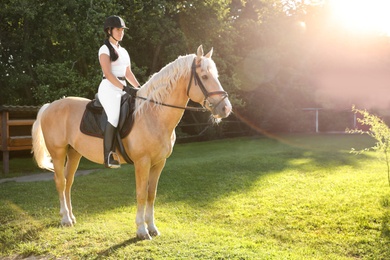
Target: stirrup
[(112, 162)]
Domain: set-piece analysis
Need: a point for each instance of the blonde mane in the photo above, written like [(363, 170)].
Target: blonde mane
[(160, 84)]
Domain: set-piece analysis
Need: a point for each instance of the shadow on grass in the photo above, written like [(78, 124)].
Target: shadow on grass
[(385, 232), (21, 228), (114, 248), (385, 228)]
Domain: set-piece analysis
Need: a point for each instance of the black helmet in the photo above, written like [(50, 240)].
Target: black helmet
[(114, 22)]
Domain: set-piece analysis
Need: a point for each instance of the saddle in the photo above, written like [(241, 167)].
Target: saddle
[(94, 120)]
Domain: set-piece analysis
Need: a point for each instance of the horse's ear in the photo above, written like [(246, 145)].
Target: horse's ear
[(208, 55), (199, 52)]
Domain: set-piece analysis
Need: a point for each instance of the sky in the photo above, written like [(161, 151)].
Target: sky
[(356, 62), (362, 15)]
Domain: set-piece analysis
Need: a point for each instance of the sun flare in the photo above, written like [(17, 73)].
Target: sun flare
[(363, 16)]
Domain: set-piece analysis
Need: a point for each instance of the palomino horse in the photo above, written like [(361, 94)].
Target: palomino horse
[(58, 143)]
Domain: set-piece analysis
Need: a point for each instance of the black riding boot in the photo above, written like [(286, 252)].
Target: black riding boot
[(109, 140)]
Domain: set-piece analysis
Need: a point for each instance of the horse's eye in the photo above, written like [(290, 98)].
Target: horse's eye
[(205, 77)]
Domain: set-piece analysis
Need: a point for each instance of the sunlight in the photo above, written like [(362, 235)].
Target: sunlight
[(363, 16)]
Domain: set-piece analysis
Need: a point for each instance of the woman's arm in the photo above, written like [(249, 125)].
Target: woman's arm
[(105, 63), (131, 78)]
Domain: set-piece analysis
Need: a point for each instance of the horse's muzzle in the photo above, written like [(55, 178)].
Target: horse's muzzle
[(221, 109)]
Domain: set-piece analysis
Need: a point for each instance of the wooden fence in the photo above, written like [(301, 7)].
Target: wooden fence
[(15, 130)]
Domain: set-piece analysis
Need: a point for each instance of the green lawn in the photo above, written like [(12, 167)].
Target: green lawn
[(24, 164), (286, 197)]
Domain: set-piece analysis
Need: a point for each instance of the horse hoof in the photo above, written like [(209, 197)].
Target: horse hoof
[(67, 224), (144, 237), (154, 233)]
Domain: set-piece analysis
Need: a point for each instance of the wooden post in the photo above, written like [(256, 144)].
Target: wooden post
[(4, 140)]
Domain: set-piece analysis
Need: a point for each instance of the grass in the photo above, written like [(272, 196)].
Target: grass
[(287, 197), (22, 164)]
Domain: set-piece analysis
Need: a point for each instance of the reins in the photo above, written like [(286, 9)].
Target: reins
[(195, 109), (199, 83)]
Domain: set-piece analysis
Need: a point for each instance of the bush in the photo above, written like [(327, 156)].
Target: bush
[(378, 130)]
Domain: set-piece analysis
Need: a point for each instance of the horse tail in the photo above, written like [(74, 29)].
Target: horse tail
[(41, 154)]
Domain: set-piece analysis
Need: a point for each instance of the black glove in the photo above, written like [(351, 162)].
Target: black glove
[(130, 90)]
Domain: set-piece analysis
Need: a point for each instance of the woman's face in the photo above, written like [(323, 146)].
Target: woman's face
[(118, 33)]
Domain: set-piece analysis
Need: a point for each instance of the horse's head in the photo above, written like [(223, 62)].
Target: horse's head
[(205, 88)]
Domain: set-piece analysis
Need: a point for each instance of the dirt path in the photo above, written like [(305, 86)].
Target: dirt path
[(48, 176)]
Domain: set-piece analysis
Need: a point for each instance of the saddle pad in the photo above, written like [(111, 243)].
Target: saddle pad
[(95, 119)]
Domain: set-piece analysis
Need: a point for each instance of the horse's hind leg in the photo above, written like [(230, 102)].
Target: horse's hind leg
[(58, 158), (72, 164)]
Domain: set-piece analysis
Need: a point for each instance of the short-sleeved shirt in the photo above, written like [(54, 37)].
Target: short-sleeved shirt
[(119, 66)]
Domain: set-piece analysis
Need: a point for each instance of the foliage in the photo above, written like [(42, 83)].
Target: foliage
[(379, 130), (291, 197), (275, 77), (40, 38), (61, 36), (59, 80)]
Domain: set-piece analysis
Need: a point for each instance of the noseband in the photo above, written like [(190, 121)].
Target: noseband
[(206, 94)]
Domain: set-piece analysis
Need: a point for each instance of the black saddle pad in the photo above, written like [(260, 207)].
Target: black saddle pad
[(94, 119)]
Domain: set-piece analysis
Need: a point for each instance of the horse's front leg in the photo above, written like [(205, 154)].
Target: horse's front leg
[(142, 170), (155, 173)]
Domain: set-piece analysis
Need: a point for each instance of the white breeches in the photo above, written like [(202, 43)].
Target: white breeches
[(110, 98)]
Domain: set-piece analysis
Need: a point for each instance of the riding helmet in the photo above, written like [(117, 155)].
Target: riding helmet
[(114, 22)]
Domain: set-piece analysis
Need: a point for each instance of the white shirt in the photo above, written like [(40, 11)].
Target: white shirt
[(119, 66)]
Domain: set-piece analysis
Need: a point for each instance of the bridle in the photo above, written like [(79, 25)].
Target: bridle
[(206, 94)]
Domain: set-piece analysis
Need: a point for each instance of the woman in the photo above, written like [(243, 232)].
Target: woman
[(116, 67)]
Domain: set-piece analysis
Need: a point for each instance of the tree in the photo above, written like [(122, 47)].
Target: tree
[(49, 49), (274, 69), (46, 46)]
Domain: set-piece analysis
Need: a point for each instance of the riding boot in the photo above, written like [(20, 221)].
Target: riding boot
[(109, 144)]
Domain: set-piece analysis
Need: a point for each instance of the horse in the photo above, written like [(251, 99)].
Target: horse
[(58, 143)]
